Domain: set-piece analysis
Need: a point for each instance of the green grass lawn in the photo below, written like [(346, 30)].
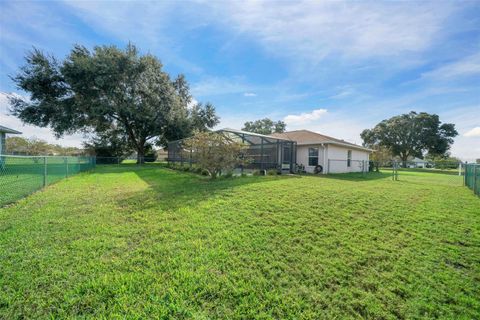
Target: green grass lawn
[(21, 177), (429, 176), (148, 242)]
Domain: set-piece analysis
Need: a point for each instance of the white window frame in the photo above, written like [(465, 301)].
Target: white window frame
[(309, 156)]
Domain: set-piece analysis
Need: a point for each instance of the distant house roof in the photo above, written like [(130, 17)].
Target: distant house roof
[(8, 130), (418, 160), (305, 137)]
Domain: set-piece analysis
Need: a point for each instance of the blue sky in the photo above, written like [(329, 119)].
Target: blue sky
[(331, 67)]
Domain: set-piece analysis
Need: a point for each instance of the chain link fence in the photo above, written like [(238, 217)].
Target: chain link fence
[(472, 177), (448, 173), (347, 166), (23, 175), (263, 153)]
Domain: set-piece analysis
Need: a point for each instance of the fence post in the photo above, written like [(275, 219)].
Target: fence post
[(393, 170), (261, 156), (475, 179), (66, 167), (44, 171)]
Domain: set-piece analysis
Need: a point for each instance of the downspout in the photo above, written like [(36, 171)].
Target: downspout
[(325, 164)]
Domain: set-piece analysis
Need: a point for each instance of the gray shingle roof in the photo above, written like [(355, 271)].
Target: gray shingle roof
[(303, 137)]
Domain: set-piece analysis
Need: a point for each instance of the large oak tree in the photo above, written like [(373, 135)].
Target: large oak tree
[(95, 91), (265, 126), (412, 135)]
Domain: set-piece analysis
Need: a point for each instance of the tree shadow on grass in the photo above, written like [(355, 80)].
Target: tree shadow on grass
[(171, 189)]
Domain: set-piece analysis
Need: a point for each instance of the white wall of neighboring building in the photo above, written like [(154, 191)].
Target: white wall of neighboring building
[(338, 156)]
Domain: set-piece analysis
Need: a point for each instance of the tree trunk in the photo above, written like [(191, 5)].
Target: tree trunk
[(404, 160), (141, 154), (213, 174)]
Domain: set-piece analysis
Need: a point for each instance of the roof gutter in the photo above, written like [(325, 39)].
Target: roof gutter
[(337, 143)]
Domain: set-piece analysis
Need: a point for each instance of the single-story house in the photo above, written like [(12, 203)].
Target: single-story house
[(162, 154), (417, 163), (3, 135), (323, 154)]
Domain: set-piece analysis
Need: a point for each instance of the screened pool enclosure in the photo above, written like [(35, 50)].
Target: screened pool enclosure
[(264, 152)]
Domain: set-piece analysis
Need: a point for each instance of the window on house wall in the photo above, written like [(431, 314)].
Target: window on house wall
[(349, 158), (313, 156)]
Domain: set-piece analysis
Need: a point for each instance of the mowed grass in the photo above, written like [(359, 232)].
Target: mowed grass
[(20, 177), (147, 242), (429, 176)]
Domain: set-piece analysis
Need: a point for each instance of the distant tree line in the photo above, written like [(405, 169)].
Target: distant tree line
[(265, 126), (38, 147)]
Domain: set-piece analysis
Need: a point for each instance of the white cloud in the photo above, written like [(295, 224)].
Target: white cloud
[(308, 31), (192, 103), (314, 30), (29, 131), (304, 117), (475, 132), (465, 148), (344, 91), (335, 124), (215, 86), (467, 66), (249, 94)]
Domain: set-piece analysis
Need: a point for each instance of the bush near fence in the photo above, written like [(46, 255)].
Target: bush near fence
[(23, 175)]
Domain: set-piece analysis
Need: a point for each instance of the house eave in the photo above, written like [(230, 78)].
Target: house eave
[(8, 130), (305, 143)]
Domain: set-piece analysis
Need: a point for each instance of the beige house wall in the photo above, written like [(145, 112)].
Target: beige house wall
[(333, 158), (302, 156), (338, 156)]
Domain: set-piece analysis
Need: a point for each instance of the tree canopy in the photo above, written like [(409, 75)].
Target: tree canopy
[(412, 135), (264, 126), (107, 90)]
